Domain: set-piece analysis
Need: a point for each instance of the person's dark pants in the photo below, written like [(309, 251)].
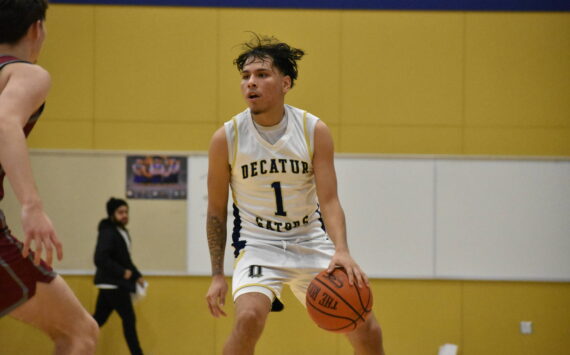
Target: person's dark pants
[(119, 300)]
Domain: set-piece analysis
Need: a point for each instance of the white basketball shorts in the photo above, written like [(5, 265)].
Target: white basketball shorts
[(265, 267)]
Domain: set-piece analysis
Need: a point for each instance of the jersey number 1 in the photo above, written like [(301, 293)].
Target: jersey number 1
[(278, 199)]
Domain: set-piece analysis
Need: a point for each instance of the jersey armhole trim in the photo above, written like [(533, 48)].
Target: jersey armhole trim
[(307, 138), (235, 142)]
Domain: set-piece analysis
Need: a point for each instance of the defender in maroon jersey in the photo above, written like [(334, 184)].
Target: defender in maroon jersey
[(29, 289)]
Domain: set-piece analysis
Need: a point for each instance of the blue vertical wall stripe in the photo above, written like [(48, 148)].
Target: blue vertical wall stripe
[(424, 5)]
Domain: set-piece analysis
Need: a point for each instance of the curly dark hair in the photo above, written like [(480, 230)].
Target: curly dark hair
[(284, 56), (16, 16)]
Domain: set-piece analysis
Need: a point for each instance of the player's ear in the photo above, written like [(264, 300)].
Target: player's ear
[(286, 83), (35, 29)]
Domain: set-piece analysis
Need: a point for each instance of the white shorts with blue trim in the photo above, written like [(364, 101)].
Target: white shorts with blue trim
[(264, 267)]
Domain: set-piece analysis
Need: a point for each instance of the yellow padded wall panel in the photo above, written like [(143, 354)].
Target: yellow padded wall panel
[(316, 32), (68, 56), (418, 316), (51, 134), (155, 64), (19, 338), (174, 318), (492, 313), (517, 69), (402, 68), (153, 136), (400, 140), (518, 141)]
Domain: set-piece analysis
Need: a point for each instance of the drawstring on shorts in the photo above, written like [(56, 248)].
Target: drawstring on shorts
[(284, 243)]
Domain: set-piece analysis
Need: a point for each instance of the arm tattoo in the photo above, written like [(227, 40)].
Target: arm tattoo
[(216, 230)]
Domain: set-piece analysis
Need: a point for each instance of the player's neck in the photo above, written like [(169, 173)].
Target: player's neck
[(269, 118), (17, 51)]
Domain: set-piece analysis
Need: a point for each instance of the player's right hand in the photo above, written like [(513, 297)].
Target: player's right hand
[(216, 296), (39, 234), (353, 270)]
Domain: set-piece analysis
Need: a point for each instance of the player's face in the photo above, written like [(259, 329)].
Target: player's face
[(121, 215), (263, 86)]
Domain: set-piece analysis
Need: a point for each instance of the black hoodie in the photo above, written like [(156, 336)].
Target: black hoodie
[(112, 258)]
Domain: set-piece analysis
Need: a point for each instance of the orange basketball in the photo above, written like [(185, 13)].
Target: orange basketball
[(335, 305)]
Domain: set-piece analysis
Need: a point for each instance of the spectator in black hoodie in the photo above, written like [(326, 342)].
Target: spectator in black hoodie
[(116, 275)]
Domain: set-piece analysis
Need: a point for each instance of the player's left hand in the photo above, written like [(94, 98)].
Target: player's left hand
[(216, 296), (39, 235), (354, 272)]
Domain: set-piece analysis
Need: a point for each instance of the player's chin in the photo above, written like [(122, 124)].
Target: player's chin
[(255, 108), (252, 106)]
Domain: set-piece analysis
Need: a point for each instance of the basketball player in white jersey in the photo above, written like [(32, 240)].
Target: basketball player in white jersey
[(278, 161)]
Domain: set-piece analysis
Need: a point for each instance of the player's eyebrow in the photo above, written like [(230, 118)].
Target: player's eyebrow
[(257, 70)]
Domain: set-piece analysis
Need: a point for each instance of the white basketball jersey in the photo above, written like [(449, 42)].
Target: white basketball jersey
[(273, 185)]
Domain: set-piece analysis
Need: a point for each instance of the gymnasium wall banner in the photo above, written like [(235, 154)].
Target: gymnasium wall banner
[(157, 177)]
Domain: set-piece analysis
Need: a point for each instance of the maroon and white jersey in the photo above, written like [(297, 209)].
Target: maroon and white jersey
[(5, 60)]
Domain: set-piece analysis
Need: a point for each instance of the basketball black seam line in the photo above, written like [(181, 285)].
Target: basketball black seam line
[(342, 298), (330, 314), (366, 310), (352, 322)]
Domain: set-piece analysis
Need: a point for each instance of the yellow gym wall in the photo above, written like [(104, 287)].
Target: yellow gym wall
[(461, 83)]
